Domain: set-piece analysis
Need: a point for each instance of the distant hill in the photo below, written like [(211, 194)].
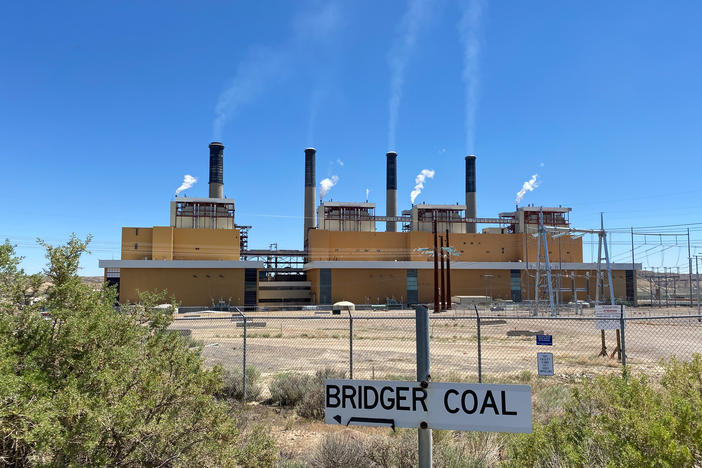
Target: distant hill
[(95, 281)]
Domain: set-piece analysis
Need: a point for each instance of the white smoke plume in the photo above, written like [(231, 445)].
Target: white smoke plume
[(419, 182), (469, 29), (263, 66), (313, 112), (399, 57), (367, 193), (528, 186), (253, 75), (326, 184), (188, 181)]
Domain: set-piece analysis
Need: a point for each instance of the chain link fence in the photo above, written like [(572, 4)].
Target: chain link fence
[(470, 344)]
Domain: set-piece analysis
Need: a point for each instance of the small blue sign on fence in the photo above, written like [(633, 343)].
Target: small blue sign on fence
[(545, 340)]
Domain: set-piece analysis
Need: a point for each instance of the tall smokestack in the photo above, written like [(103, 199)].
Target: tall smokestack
[(310, 191), (470, 192), (216, 169), (391, 191)]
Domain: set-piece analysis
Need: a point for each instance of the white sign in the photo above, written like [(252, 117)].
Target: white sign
[(442, 405), (607, 317), (544, 362)]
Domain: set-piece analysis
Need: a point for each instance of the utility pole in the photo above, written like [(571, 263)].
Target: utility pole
[(560, 273), (538, 272), (609, 267), (448, 271), (598, 279), (443, 283), (633, 269), (437, 306), (526, 255), (675, 290), (697, 274), (548, 263), (587, 285), (689, 255), (667, 301)]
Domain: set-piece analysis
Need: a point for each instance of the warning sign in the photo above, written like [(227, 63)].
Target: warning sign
[(608, 317)]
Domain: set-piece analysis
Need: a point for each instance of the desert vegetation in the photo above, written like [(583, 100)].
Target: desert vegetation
[(83, 383)]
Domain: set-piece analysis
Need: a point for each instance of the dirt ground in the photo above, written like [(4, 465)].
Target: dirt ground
[(384, 346)]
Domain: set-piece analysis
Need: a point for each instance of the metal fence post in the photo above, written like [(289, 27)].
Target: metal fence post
[(480, 353), (244, 363), (350, 345), (697, 275), (622, 326), (424, 442)]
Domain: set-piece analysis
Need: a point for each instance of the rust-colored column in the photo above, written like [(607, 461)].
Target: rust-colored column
[(448, 272), (437, 306), (443, 284)]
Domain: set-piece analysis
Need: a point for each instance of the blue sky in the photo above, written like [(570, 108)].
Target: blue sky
[(105, 106)]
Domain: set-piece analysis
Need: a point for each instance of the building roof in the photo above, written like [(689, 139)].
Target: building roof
[(205, 264), (423, 206), (202, 200), (549, 209), (349, 204)]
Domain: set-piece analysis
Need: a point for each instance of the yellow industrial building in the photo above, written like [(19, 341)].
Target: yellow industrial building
[(202, 258)]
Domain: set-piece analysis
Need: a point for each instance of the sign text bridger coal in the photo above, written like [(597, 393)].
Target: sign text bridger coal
[(442, 405)]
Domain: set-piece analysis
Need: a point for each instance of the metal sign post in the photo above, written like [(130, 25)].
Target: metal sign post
[(424, 441), (608, 318), (427, 405)]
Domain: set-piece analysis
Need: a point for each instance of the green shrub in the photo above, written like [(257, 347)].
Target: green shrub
[(468, 449), (623, 420), (398, 450), (312, 404), (289, 389), (452, 449), (259, 449), (340, 450), (291, 463), (93, 386), (234, 384), (549, 401)]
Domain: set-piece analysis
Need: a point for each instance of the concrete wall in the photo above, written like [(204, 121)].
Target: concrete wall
[(368, 286), (169, 243), (139, 237), (468, 283), (375, 286), (570, 249), (279, 292), (192, 287), (363, 286), (163, 243), (402, 246), (206, 244), (313, 278)]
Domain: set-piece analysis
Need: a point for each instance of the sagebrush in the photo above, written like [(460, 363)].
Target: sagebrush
[(89, 385)]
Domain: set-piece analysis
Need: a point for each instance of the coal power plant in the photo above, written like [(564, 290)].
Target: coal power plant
[(351, 253)]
